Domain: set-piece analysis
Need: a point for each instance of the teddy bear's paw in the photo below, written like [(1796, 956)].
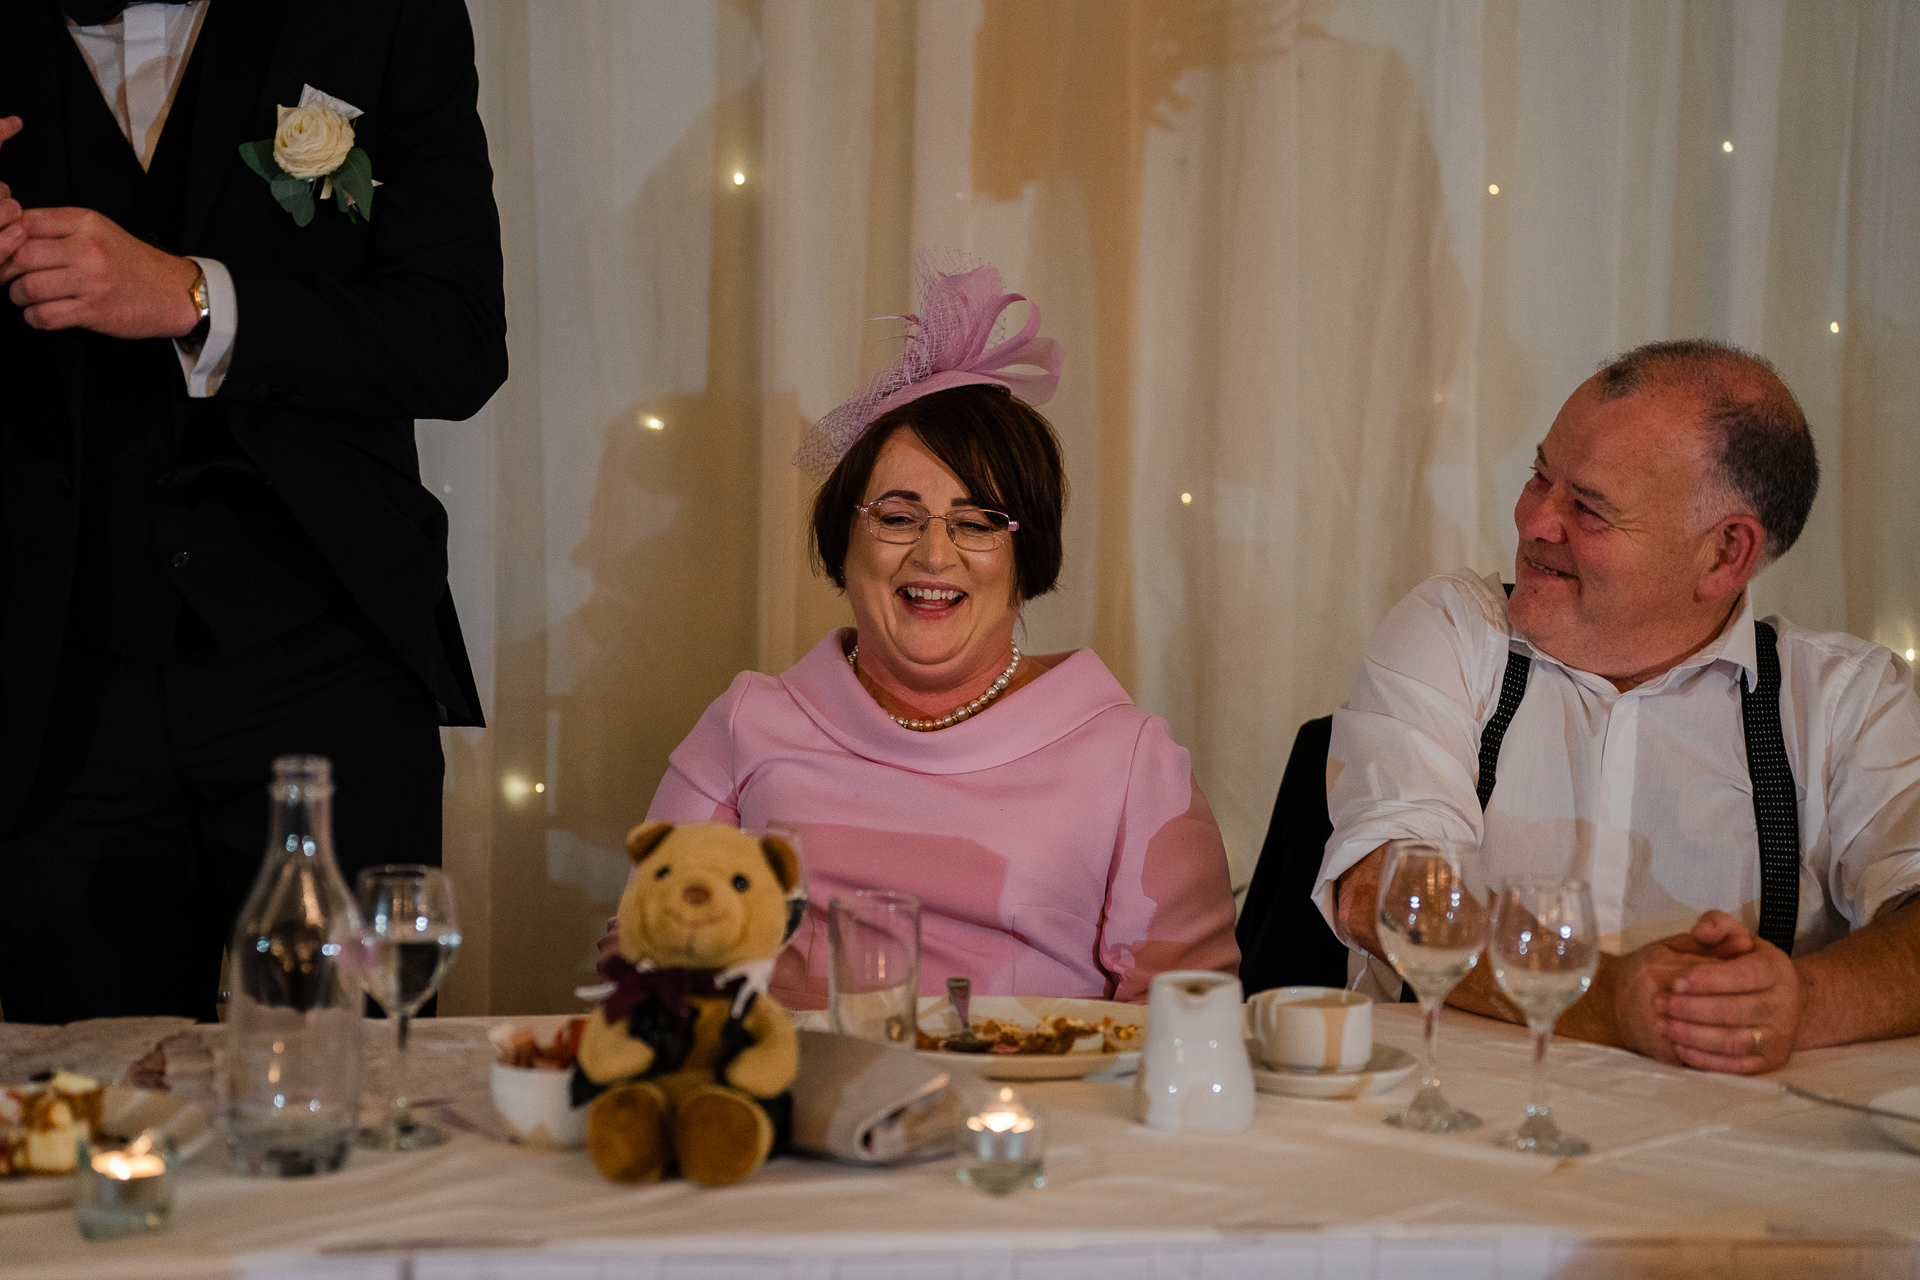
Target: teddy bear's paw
[(720, 1136), (627, 1133)]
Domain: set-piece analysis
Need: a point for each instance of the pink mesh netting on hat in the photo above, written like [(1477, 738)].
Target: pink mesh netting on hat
[(947, 345)]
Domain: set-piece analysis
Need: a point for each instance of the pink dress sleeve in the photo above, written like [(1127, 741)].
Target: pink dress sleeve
[(1169, 894), (699, 785)]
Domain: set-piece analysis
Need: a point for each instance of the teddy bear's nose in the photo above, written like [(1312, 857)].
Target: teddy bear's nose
[(695, 894)]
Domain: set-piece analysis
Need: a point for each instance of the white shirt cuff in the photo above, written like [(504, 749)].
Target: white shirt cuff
[(206, 368)]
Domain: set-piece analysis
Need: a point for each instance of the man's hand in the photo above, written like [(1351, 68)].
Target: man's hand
[(77, 269), (1741, 1015), (12, 234)]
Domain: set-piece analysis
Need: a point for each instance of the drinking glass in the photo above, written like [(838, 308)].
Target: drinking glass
[(412, 935), (1433, 925), (1544, 949), (873, 976)]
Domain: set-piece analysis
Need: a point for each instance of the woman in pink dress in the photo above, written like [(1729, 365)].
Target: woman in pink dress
[(1051, 829)]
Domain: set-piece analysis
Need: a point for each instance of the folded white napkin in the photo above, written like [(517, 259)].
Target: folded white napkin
[(868, 1103)]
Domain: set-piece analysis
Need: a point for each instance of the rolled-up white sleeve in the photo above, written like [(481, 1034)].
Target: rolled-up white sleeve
[(1874, 798), (1404, 758), (206, 368)]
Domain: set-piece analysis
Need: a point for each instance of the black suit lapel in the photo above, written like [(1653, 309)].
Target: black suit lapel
[(34, 161), (237, 44)]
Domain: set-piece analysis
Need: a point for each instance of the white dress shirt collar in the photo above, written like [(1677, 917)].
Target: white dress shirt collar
[(138, 59), (1733, 651)]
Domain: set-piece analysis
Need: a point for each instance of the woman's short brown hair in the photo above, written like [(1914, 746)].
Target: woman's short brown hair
[(1002, 450)]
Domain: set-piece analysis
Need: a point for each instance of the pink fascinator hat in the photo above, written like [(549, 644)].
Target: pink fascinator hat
[(950, 343)]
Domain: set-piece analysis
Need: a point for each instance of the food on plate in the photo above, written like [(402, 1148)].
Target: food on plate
[(41, 1123), (523, 1048), (1055, 1034)]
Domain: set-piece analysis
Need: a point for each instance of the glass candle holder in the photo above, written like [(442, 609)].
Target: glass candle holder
[(1003, 1146), (124, 1190)]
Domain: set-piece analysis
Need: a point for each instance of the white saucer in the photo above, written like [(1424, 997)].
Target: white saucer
[(1387, 1068), (1907, 1102)]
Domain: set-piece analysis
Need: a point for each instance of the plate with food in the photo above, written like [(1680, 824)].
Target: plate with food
[(42, 1122), (1033, 1037)]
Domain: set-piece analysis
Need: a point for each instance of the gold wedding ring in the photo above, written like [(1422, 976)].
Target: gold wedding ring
[(1758, 1035)]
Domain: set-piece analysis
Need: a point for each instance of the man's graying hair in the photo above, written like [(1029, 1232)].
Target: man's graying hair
[(1763, 458)]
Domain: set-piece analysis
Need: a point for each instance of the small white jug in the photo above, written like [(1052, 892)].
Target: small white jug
[(1194, 1072)]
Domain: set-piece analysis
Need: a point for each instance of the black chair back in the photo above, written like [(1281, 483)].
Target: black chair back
[(1283, 940)]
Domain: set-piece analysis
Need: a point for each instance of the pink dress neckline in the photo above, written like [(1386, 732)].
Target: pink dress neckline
[(826, 689)]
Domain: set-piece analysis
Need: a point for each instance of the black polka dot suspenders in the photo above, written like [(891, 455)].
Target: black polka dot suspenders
[(1776, 809), (1513, 687)]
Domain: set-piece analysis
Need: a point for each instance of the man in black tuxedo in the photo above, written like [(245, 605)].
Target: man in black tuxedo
[(214, 545)]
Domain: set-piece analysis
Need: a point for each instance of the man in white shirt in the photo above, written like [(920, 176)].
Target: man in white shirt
[(1666, 482)]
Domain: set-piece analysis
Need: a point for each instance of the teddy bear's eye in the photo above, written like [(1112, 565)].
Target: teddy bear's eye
[(662, 873), (740, 884)]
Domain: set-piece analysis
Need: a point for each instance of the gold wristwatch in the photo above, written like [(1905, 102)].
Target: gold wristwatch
[(202, 305)]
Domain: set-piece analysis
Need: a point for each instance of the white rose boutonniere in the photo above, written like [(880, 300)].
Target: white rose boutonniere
[(313, 141)]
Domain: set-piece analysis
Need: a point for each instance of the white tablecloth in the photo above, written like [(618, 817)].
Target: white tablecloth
[(1691, 1175)]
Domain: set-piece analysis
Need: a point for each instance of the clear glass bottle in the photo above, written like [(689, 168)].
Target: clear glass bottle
[(294, 992)]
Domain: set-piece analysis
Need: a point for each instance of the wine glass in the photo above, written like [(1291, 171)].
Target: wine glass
[(412, 935), (1433, 925), (1544, 949)]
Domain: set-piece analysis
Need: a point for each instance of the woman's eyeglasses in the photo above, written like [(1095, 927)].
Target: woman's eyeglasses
[(901, 522)]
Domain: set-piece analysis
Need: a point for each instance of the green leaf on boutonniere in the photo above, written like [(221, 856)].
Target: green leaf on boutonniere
[(259, 158), (295, 196), (353, 186)]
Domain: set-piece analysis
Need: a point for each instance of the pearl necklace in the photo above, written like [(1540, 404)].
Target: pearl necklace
[(958, 714)]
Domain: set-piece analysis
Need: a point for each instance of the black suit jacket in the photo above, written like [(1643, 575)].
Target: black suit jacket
[(346, 332)]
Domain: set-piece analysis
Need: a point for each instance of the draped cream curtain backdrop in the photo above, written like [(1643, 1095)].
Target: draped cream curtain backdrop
[(1311, 349)]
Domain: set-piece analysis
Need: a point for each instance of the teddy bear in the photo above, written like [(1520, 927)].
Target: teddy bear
[(688, 1060)]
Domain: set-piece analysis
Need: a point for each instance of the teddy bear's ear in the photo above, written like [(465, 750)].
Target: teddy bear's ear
[(645, 838), (784, 861)]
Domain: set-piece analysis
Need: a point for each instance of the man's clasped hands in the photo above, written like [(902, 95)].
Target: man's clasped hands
[(1716, 998), (74, 268)]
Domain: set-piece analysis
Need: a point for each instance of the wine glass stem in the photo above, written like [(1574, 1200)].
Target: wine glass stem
[(402, 1110), (1430, 1069), (1542, 1037)]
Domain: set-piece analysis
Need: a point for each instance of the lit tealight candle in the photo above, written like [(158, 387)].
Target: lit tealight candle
[(124, 1193), (126, 1167), (1002, 1146), (1005, 1116)]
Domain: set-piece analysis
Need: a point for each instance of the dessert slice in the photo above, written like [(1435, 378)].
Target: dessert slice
[(41, 1123)]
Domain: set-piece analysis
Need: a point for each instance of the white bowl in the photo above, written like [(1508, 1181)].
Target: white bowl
[(535, 1102), (536, 1105)]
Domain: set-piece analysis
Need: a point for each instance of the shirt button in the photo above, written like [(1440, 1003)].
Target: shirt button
[(179, 559)]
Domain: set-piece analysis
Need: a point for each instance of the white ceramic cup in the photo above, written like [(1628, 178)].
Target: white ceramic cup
[(536, 1105), (1311, 1028)]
